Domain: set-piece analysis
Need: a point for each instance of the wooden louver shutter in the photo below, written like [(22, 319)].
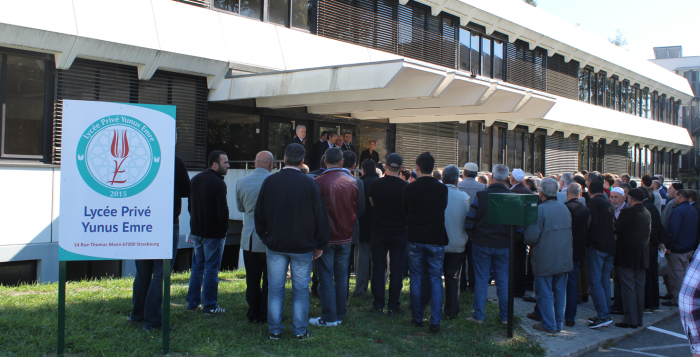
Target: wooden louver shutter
[(440, 139), (526, 67), (561, 154), (100, 81), (562, 77)]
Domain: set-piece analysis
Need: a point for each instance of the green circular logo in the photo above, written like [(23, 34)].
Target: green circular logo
[(118, 156)]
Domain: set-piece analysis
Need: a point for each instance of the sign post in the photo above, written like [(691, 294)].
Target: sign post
[(513, 210), (117, 171)]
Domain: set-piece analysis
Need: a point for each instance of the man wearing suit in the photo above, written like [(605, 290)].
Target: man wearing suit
[(316, 148), (298, 138), (347, 138), (564, 182), (329, 143), (632, 228), (617, 199), (517, 186), (254, 257)]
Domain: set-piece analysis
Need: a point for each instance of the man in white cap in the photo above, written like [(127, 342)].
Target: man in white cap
[(516, 182), (617, 199), (470, 186)]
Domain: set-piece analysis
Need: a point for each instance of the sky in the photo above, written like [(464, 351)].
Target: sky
[(644, 23)]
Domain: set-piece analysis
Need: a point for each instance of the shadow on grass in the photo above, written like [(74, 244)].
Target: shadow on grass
[(96, 325)]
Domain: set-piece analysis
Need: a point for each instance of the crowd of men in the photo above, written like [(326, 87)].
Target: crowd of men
[(430, 224)]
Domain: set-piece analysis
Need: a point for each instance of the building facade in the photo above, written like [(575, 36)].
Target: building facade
[(479, 81)]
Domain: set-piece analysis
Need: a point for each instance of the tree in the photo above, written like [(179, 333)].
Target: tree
[(531, 2), (618, 40)]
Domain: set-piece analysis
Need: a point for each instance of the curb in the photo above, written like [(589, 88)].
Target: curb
[(579, 351)]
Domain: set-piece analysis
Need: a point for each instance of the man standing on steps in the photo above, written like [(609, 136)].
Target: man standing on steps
[(247, 190), (208, 226)]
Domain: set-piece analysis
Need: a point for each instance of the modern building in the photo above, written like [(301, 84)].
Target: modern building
[(688, 67), (485, 81)]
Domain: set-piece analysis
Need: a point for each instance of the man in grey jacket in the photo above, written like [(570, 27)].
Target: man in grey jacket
[(470, 186), (551, 242), (457, 207), (254, 257)]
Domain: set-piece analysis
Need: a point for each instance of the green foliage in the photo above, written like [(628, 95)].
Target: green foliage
[(619, 40), (531, 2), (96, 324)]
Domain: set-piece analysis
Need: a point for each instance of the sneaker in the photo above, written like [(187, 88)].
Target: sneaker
[(434, 328), (600, 323), (591, 319), (339, 322), (416, 323), (195, 308), (317, 321), (473, 320), (306, 335), (532, 316), (217, 310), (275, 336)]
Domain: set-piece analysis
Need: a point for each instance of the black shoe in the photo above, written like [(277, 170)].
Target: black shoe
[(600, 323), (518, 296), (376, 310), (434, 328), (584, 298), (617, 312), (624, 325), (569, 323), (275, 336), (532, 316), (416, 323), (529, 299), (666, 297), (396, 312), (668, 303), (306, 335)]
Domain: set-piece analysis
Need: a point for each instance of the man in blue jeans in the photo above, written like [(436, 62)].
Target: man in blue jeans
[(148, 282), (343, 197), (424, 203), (208, 226), (291, 220), (490, 248), (601, 252), (551, 243)]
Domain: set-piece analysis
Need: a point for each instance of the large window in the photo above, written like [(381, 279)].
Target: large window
[(481, 54), (281, 12), (234, 130), (23, 105)]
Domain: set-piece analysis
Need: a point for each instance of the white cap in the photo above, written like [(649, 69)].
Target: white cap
[(618, 190), (470, 166), (518, 175)]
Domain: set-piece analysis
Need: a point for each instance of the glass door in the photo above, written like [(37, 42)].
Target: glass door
[(278, 131)]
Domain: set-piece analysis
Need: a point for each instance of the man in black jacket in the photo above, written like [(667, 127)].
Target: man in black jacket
[(490, 249), (657, 238), (424, 203), (208, 226), (632, 227), (580, 219), (601, 252), (148, 282), (315, 148), (369, 174), (291, 220)]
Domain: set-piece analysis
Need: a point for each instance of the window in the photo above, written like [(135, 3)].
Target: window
[(632, 108), (600, 89), (475, 50), (234, 130), (624, 96), (645, 103), (486, 64), (609, 89), (302, 14), (539, 154), (465, 48), (480, 54), (278, 12), (248, 8), (486, 148), (511, 149), (23, 113), (498, 63), (528, 142)]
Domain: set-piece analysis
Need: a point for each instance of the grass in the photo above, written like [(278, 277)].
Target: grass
[(96, 325)]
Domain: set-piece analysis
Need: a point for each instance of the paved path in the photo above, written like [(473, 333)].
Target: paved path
[(579, 340), (661, 341)]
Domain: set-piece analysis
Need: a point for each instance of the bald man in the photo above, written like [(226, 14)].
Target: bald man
[(254, 257)]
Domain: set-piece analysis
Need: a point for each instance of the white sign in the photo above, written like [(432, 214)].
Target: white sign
[(117, 173)]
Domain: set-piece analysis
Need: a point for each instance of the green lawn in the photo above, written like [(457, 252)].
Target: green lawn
[(96, 325)]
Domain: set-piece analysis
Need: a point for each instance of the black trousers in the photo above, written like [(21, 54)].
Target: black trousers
[(651, 286), (470, 268), (519, 269), (396, 247), (452, 270), (256, 269), (618, 305), (529, 276)]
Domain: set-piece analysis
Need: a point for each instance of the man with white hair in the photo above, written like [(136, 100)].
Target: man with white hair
[(490, 249), (551, 242), (617, 199), (516, 181), (564, 182), (299, 136)]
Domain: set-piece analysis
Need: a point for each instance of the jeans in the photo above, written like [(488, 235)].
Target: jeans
[(300, 266), (572, 293), (420, 255), (204, 278), (396, 246), (333, 281), (486, 260), (599, 266), (551, 300), (255, 295), (147, 297)]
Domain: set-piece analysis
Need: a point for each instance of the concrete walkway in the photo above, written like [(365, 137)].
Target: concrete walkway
[(579, 340)]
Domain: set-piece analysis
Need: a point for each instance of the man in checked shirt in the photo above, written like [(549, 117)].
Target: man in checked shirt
[(689, 304)]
